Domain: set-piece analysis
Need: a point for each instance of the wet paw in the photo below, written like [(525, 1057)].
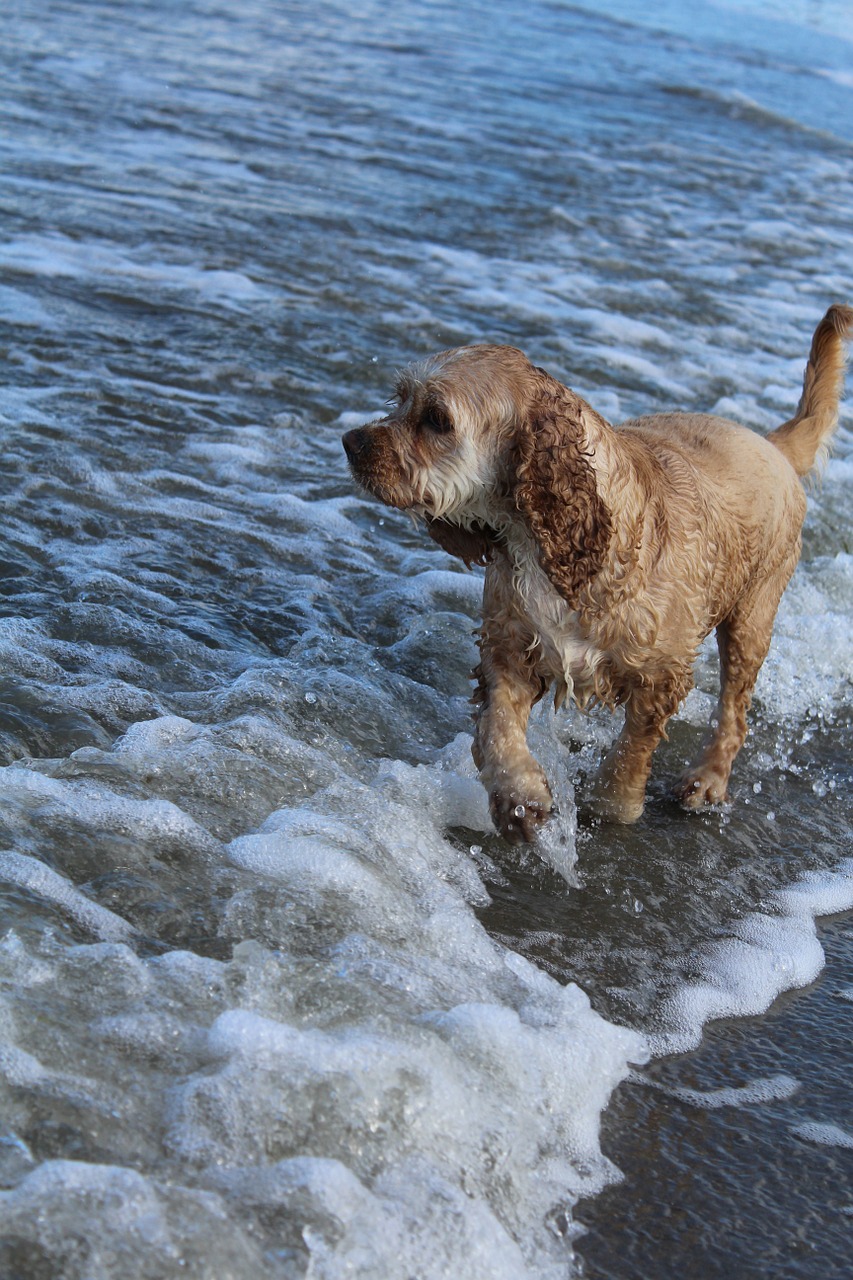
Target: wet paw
[(517, 816), (698, 789)]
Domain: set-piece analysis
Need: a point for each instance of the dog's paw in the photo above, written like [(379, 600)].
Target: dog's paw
[(518, 814), (700, 788)]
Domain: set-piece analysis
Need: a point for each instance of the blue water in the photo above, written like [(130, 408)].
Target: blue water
[(276, 1001)]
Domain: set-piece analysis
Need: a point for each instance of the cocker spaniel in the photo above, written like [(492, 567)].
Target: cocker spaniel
[(610, 553)]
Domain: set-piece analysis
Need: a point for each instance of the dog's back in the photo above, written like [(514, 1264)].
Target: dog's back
[(738, 477), (745, 485)]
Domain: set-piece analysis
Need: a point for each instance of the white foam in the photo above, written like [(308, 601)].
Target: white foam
[(624, 329), (761, 956), (476, 1030), (128, 1216), (155, 736), (753, 1093), (20, 1069), (403, 1226), (823, 1134), (469, 1068), (36, 878), (99, 806), (18, 307), (59, 255), (811, 656)]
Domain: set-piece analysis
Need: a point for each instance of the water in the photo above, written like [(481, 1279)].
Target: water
[(275, 1000)]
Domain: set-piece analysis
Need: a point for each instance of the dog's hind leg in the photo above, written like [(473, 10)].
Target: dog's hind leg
[(620, 786), (743, 640)]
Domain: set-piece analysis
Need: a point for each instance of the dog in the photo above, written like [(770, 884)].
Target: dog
[(610, 553)]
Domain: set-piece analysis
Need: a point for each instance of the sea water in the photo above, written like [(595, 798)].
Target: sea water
[(276, 1000)]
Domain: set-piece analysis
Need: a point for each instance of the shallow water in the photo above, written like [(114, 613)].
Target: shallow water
[(275, 999)]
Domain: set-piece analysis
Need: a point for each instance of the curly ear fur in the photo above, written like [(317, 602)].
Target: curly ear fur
[(556, 492), (474, 545)]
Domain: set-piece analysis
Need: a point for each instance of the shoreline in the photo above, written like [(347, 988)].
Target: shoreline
[(733, 1190)]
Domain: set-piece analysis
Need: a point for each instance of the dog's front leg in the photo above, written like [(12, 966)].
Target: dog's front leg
[(519, 795), (508, 686)]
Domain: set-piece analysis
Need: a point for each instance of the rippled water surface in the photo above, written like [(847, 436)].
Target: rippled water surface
[(276, 1001)]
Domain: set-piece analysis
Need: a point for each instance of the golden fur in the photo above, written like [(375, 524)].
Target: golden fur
[(611, 553)]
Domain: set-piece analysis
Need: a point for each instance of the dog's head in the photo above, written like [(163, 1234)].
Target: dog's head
[(479, 435)]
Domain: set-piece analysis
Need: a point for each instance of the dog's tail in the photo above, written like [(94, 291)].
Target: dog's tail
[(805, 440)]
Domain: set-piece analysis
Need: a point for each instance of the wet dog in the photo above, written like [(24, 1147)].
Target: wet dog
[(611, 553)]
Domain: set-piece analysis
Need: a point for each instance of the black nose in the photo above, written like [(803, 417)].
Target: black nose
[(357, 444)]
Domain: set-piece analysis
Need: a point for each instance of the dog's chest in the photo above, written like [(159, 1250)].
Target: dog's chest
[(569, 651)]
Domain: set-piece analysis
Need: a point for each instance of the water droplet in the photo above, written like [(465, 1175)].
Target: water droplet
[(559, 1222), (311, 697), (518, 811), (476, 849), (756, 786)]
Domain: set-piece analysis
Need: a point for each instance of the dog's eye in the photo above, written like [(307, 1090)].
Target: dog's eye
[(436, 420)]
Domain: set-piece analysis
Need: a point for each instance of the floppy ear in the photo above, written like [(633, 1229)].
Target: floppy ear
[(556, 492), (473, 545)]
